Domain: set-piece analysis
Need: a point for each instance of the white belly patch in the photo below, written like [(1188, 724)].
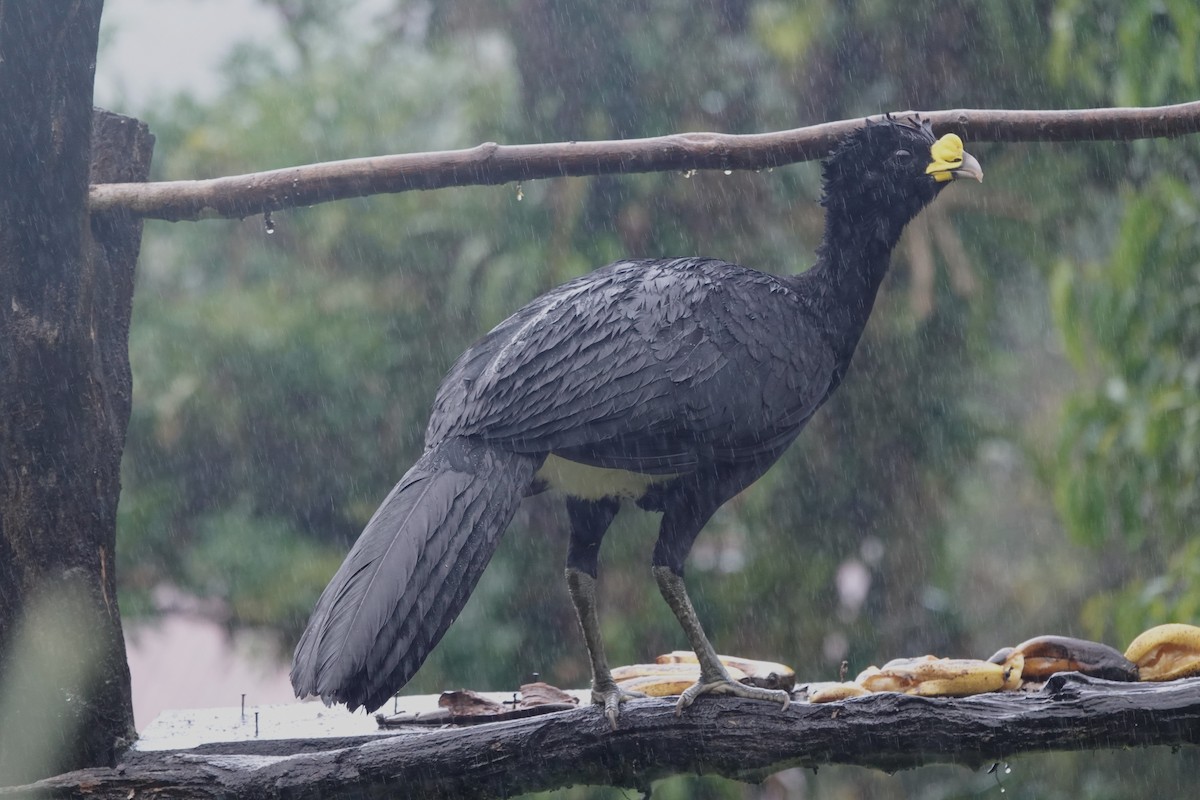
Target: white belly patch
[(593, 483)]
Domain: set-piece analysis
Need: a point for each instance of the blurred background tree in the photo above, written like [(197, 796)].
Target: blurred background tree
[(1129, 309), (1015, 452)]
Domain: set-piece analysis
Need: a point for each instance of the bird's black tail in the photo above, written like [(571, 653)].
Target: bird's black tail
[(410, 573)]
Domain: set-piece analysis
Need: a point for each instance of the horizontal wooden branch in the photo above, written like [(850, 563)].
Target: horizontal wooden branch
[(238, 196), (725, 736)]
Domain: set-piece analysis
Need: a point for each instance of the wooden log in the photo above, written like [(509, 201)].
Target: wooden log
[(724, 736)]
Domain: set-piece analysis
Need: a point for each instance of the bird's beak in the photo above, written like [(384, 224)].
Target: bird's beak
[(948, 161)]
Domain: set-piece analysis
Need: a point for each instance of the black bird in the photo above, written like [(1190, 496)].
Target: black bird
[(673, 383)]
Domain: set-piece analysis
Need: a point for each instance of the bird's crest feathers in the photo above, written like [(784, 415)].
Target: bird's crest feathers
[(864, 160)]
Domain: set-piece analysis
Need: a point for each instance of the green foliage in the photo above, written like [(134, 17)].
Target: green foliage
[(1130, 452), (1140, 53), (1122, 613), (1129, 314), (246, 367), (259, 564), (1135, 443)]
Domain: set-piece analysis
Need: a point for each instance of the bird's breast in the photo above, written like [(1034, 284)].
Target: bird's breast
[(593, 483)]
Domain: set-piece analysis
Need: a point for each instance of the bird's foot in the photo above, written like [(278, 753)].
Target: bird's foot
[(726, 685), (610, 697)]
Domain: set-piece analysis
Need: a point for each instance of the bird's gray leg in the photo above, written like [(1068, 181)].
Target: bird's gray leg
[(683, 517), (714, 679), (605, 691), (589, 521)]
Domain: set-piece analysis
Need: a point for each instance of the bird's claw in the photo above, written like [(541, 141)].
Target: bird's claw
[(729, 686), (610, 698)]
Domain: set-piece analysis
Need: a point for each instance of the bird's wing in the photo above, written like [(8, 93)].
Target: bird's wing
[(651, 366)]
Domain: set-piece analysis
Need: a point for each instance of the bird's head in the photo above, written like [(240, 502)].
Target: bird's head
[(888, 171)]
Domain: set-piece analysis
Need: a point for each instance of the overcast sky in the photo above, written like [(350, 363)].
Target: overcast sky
[(153, 48)]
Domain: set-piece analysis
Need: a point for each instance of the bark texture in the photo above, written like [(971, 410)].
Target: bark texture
[(66, 288), (726, 736)]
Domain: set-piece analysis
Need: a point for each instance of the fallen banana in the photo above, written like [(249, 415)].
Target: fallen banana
[(1046, 655), (1166, 652), (832, 691), (663, 680), (657, 685), (767, 674), (667, 671), (930, 676)]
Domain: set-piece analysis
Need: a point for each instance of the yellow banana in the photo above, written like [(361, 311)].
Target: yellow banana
[(1166, 652), (767, 674), (662, 680), (657, 685), (930, 676), (832, 691)]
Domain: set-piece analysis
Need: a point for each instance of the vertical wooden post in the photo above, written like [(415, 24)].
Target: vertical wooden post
[(66, 287)]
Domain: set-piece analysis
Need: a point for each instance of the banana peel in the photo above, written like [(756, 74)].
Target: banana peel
[(662, 680), (674, 672), (832, 691), (1163, 653), (930, 676), (1166, 652), (766, 674), (1046, 655)]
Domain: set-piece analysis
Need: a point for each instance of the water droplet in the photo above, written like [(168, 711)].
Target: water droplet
[(520, 193), (689, 173), (728, 172), (268, 223), (770, 170), (1007, 770)]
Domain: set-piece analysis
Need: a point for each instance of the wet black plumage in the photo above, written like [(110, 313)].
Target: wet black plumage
[(695, 374)]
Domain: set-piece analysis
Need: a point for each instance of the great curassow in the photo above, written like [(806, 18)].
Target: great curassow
[(674, 383)]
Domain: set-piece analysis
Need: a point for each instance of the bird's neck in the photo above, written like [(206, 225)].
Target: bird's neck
[(851, 263)]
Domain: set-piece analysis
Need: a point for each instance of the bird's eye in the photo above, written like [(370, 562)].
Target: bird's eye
[(902, 155)]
